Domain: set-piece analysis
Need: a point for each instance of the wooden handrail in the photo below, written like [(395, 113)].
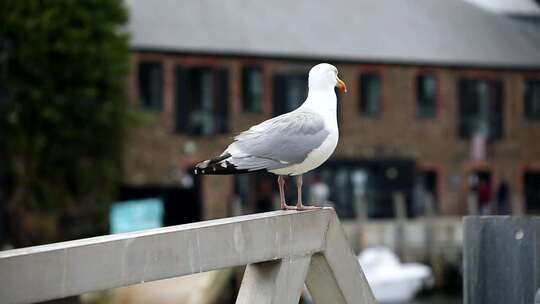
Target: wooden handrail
[(283, 249)]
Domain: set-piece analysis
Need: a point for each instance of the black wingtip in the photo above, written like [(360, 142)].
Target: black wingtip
[(222, 167), (217, 166)]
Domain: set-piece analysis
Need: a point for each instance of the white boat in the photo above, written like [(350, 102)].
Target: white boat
[(390, 280)]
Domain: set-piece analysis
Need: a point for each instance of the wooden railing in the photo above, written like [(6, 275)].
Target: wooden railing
[(282, 251)]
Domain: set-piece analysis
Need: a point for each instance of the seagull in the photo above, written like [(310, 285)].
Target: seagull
[(290, 144)]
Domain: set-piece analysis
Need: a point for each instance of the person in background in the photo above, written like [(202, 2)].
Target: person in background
[(503, 196), (484, 197), (320, 193)]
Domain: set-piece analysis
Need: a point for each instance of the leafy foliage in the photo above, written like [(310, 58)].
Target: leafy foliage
[(64, 71)]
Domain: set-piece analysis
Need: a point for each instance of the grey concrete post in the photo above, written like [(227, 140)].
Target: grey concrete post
[(501, 259), (361, 207)]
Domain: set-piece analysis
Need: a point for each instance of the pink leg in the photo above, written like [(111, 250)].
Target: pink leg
[(281, 183), (299, 205)]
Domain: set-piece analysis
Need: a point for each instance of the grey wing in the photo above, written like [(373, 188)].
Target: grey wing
[(279, 142)]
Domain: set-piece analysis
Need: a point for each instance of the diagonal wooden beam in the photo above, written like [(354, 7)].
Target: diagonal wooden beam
[(335, 275), (275, 282)]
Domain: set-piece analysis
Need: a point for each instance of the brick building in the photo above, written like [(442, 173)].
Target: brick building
[(442, 96)]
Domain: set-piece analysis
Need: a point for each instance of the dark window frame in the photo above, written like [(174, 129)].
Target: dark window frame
[(362, 97), (496, 107), (527, 113), (281, 83), (529, 196), (185, 103), (436, 105), (248, 96), (145, 100)]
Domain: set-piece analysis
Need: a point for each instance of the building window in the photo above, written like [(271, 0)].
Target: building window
[(532, 100), (374, 182), (290, 91), (531, 180), (352, 187), (252, 89), (202, 101), (150, 85), (426, 96), (370, 95), (480, 108)]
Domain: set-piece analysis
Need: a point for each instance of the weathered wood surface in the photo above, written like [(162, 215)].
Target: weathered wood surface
[(274, 282), (70, 268), (501, 259), (335, 275)]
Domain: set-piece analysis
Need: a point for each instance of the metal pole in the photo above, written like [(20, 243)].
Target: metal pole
[(517, 206), (361, 219), (400, 213), (429, 227), (472, 203)]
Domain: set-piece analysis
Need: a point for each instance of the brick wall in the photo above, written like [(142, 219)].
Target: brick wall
[(154, 151)]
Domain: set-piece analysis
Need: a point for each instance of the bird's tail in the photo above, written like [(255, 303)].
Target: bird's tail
[(218, 166)]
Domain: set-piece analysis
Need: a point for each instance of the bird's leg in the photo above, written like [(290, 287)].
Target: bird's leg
[(281, 183), (299, 205)]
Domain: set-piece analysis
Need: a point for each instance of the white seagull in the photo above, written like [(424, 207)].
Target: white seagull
[(290, 144)]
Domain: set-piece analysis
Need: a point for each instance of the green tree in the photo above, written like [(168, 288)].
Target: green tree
[(63, 73)]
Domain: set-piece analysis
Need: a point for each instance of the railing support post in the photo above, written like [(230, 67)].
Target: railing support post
[(335, 275), (274, 282)]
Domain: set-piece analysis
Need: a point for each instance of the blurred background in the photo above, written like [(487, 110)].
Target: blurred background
[(107, 105)]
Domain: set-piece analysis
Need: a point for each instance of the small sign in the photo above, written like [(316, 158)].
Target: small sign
[(136, 215)]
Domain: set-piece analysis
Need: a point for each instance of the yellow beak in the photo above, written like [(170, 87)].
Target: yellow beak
[(341, 85)]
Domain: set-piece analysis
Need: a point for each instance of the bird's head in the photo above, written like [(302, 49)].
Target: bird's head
[(323, 76)]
